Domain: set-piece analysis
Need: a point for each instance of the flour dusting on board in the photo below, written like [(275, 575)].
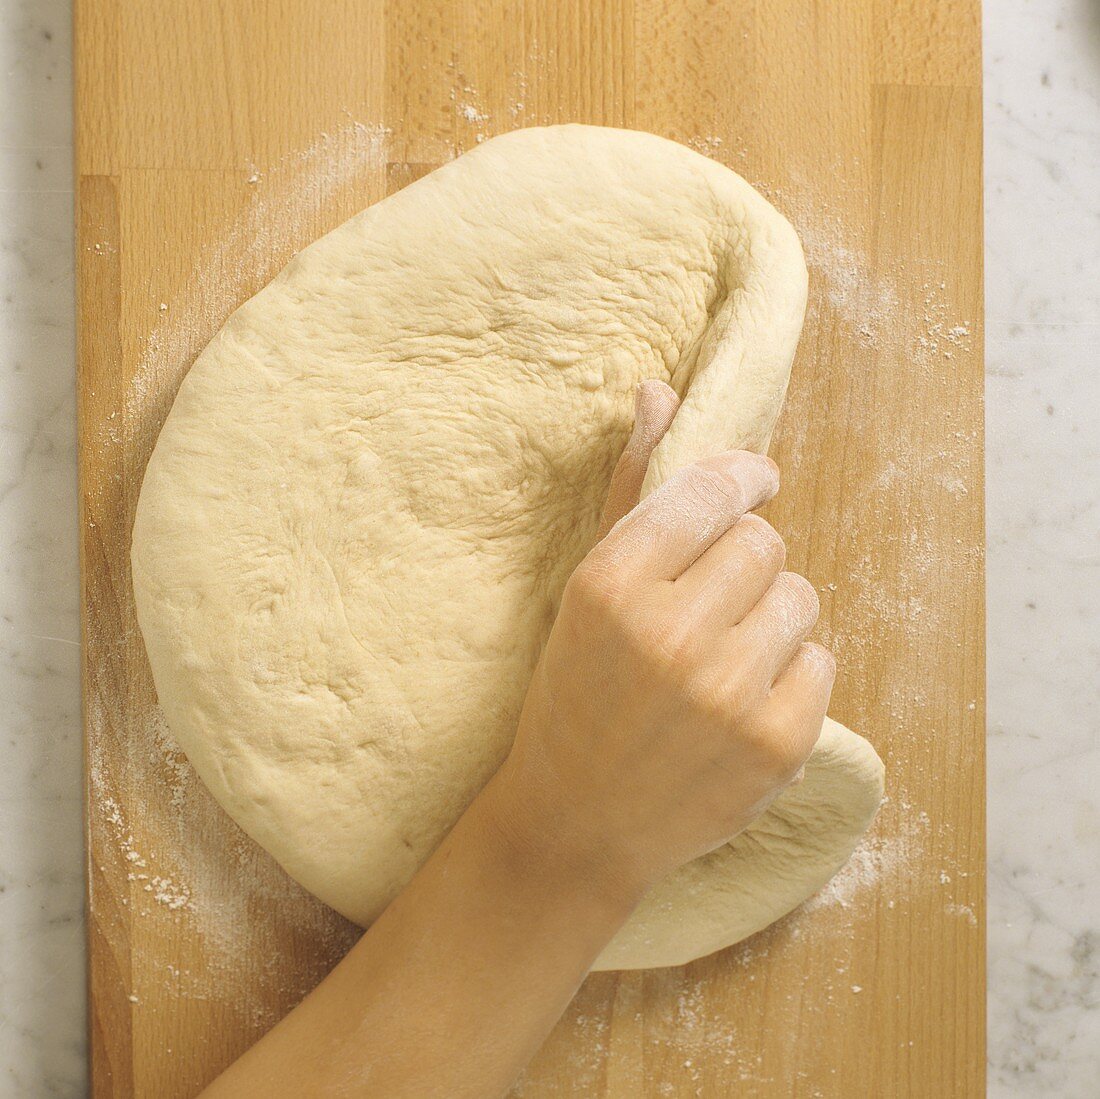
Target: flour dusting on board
[(867, 305), (707, 144), (282, 207), (250, 920), (879, 320), (467, 106), (880, 859)]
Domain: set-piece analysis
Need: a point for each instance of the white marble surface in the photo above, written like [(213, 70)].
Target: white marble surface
[(1042, 117), (41, 855), (1042, 60)]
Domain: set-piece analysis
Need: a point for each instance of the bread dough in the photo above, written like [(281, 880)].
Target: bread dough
[(361, 511)]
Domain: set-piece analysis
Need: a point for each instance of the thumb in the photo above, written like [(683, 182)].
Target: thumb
[(655, 406)]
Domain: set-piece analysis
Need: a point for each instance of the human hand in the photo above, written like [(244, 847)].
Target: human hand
[(676, 695)]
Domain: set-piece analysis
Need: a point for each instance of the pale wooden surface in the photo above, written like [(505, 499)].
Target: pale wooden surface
[(216, 138)]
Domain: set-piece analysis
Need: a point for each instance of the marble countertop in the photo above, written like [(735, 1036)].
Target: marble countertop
[(1042, 119), (1042, 165)]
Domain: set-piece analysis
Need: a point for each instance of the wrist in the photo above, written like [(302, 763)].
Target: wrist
[(542, 844)]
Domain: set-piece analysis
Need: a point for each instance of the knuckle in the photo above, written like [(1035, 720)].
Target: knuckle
[(721, 701), (780, 744), (592, 589), (713, 489), (706, 698), (740, 696), (667, 645), (764, 540), (819, 659), (800, 596), (654, 638)]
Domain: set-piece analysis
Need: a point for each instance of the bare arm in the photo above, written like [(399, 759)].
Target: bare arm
[(675, 698)]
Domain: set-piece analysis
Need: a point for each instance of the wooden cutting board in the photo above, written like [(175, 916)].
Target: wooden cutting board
[(214, 139)]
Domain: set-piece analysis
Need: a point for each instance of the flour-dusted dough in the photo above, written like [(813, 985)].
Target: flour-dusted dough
[(364, 504)]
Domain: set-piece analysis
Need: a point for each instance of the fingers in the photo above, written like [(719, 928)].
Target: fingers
[(668, 531), (770, 634), (655, 405), (800, 697), (812, 665), (733, 575)]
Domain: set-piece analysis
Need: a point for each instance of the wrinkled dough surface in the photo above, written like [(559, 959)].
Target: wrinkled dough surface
[(359, 516)]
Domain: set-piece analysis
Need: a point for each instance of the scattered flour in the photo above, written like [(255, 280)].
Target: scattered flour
[(163, 890), (472, 114), (865, 306), (169, 893), (708, 145), (210, 876), (178, 772), (465, 99), (877, 858), (518, 96), (940, 336), (963, 912), (247, 253)]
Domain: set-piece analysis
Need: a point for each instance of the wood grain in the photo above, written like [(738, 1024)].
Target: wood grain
[(216, 138)]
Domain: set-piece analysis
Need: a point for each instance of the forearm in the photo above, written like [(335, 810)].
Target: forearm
[(456, 985)]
